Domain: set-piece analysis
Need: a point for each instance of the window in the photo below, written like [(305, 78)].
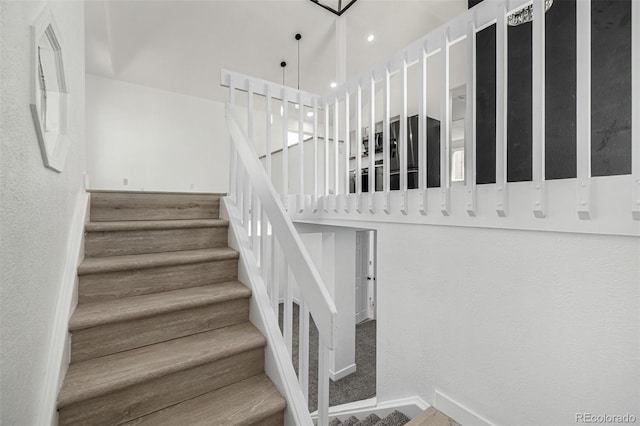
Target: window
[(457, 165)]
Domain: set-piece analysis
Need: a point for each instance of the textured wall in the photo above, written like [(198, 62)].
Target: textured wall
[(158, 140), (521, 327), (36, 206)]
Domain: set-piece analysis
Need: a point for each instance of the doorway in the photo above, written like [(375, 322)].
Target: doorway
[(365, 280)]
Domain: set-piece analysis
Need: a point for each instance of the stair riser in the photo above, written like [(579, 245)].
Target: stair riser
[(274, 420), (144, 398), (107, 207), (111, 338), (153, 241), (112, 285)]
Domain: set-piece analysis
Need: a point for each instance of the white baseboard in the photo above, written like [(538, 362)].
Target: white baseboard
[(458, 412), (344, 372), (59, 351), (410, 407)]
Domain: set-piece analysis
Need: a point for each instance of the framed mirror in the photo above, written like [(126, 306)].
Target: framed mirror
[(49, 94)]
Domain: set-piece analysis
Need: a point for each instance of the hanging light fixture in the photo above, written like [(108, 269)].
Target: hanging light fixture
[(525, 14), (339, 10)]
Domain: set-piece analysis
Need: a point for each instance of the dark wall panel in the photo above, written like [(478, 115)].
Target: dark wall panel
[(433, 153), (519, 103), (486, 105), (560, 90), (610, 87)]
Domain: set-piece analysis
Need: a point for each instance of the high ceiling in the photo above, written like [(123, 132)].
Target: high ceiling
[(181, 45)]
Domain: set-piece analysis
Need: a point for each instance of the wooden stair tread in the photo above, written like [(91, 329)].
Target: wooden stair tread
[(127, 308), (432, 417), (143, 225), (95, 377), (244, 403), (94, 265)]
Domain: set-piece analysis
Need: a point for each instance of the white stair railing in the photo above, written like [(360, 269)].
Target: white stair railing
[(279, 251), (404, 86)]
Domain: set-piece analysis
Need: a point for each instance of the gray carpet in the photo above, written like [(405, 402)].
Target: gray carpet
[(396, 418), (356, 386)]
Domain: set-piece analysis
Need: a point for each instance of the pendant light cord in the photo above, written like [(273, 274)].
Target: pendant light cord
[(298, 64), (283, 65), (298, 38)]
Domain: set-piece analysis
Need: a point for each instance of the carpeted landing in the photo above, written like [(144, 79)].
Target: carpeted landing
[(356, 386)]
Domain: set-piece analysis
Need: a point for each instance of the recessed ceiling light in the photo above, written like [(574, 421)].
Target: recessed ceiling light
[(333, 84), (370, 38), (309, 114)]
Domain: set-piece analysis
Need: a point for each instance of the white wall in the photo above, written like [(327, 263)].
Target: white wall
[(343, 290), (521, 327), (294, 168), (36, 206), (333, 251), (158, 140)]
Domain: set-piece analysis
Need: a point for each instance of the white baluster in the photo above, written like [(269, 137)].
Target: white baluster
[(269, 148), (300, 198), (276, 256), (303, 349), (358, 141), (250, 206), (347, 152), (246, 202), (336, 150), (422, 133), (470, 123), (233, 176), (315, 155), (250, 112), (240, 188), (538, 109), (583, 106), (255, 216), (386, 140), (265, 250), (252, 198), (285, 150), (372, 146), (635, 108), (445, 130), (402, 143), (501, 110), (255, 206), (288, 307), (325, 199)]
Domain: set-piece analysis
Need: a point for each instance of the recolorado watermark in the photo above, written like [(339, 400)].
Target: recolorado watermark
[(605, 418)]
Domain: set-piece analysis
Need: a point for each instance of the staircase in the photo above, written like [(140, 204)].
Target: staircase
[(429, 417), (161, 334)]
